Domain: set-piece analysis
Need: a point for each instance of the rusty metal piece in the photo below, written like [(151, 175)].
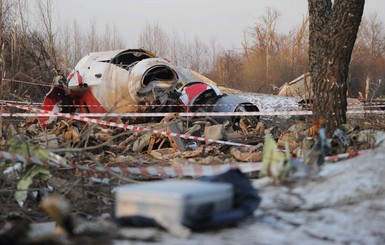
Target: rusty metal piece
[(292, 138), (164, 154), (72, 135), (215, 132), (260, 129), (103, 136), (49, 141), (246, 155), (141, 142), (176, 142), (151, 144), (194, 153)]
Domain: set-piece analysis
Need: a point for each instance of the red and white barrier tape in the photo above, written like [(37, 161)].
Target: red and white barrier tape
[(25, 82), (164, 114), (21, 102), (126, 126), (359, 105), (193, 171), (371, 103), (377, 112), (345, 155), (294, 106), (186, 114), (272, 105)]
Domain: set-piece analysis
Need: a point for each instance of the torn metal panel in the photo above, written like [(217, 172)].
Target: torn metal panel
[(232, 103), (198, 93), (176, 142), (246, 155), (114, 81), (124, 80), (135, 80), (301, 89), (298, 88)]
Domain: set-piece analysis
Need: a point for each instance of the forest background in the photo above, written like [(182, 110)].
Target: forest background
[(33, 47)]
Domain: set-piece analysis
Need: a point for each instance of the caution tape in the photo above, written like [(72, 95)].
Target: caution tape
[(126, 126), (294, 106), (370, 103), (277, 105), (184, 114), (25, 82), (21, 102), (284, 109), (163, 114), (377, 112), (192, 171), (272, 105), (346, 155)]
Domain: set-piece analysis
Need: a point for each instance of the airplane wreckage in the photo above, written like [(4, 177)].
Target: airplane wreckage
[(135, 80)]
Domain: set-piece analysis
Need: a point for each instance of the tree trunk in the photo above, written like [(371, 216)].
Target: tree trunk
[(333, 31), (1, 68)]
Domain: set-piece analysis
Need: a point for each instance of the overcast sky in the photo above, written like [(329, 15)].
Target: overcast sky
[(224, 20)]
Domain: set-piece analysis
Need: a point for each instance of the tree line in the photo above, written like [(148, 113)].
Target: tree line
[(32, 46)]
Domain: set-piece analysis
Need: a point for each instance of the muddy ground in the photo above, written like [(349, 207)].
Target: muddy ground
[(345, 205)]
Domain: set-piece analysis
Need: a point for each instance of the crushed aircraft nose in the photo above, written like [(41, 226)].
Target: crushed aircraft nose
[(135, 80), (115, 81)]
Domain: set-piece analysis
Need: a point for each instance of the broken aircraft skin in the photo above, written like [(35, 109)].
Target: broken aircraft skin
[(135, 80)]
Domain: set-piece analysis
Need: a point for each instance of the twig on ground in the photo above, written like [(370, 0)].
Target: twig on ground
[(90, 148)]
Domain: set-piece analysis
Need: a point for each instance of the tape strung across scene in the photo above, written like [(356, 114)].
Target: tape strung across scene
[(369, 103), (355, 105), (129, 127), (187, 114), (346, 155), (138, 128), (25, 82), (164, 114), (46, 113), (191, 171)]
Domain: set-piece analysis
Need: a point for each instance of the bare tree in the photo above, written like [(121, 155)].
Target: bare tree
[(111, 38), (176, 48), (5, 12), (45, 18), (196, 56), (333, 29), (19, 35), (78, 41), (64, 49), (228, 71), (367, 66), (1, 67), (372, 35), (214, 49), (92, 44), (1, 47), (155, 39), (262, 52), (266, 38), (298, 39)]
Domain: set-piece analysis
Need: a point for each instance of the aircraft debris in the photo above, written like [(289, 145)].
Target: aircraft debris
[(180, 205), (135, 80), (246, 155)]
